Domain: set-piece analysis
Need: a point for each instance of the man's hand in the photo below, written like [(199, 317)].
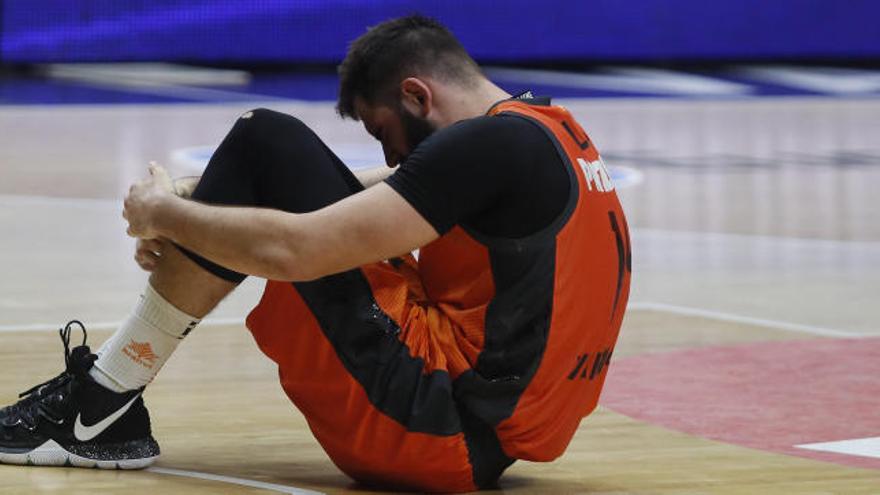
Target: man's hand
[(148, 252), (144, 201), (372, 225)]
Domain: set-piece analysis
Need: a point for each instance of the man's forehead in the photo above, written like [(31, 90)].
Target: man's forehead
[(371, 115), (363, 109)]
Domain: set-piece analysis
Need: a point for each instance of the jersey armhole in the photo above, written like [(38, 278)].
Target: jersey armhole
[(559, 222)]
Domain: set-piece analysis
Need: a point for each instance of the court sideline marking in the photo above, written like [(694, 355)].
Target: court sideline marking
[(107, 325), (747, 320), (292, 490), (649, 306), (635, 306), (864, 447), (116, 204), (169, 80)]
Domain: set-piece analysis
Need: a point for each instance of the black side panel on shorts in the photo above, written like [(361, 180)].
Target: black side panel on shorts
[(367, 342), (485, 454)]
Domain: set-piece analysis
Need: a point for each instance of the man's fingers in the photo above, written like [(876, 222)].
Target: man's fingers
[(157, 170), (146, 255), (146, 261), (153, 246), (148, 252)]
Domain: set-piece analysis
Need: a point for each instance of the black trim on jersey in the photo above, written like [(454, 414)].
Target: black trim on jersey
[(621, 259), (557, 224), (524, 97), (516, 333)]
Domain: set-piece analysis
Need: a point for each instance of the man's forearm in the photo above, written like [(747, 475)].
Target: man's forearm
[(369, 177), (372, 225), (254, 241), (184, 186)]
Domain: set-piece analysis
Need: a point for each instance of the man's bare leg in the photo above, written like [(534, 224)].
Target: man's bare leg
[(94, 411), (178, 295), (186, 285), (92, 414)]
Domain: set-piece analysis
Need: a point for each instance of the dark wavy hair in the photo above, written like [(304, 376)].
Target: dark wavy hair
[(396, 49)]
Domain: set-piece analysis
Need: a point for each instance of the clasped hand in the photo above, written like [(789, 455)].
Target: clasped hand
[(141, 209)]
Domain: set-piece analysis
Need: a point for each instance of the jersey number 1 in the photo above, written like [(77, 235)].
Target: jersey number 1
[(624, 256)]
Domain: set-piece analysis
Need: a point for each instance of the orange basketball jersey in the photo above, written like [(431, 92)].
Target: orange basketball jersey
[(537, 318)]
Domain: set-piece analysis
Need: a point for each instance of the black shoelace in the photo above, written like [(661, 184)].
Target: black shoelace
[(38, 400)]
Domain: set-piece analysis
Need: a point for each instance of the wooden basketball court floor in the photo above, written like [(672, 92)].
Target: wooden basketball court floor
[(748, 362)]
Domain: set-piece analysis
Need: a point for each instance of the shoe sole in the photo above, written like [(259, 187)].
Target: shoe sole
[(53, 454)]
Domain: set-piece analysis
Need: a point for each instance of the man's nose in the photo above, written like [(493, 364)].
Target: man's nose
[(391, 158)]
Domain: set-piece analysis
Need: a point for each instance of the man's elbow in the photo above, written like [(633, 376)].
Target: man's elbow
[(293, 268), (299, 274)]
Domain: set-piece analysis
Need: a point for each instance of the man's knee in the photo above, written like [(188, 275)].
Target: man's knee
[(262, 140), (264, 125)]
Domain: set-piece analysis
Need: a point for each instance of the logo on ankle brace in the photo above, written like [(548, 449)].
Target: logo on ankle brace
[(141, 353), (189, 328)]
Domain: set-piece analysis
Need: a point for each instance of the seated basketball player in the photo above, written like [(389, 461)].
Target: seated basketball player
[(429, 374)]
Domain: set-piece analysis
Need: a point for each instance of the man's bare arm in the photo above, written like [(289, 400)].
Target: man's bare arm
[(372, 225), (148, 251), (368, 177), (371, 176)]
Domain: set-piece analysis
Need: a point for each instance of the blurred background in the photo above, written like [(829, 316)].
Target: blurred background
[(317, 31), (743, 137), (289, 48)]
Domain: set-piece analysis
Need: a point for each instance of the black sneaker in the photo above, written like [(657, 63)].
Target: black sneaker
[(71, 420)]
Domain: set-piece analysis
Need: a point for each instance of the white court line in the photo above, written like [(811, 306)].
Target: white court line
[(796, 327), (184, 92), (104, 325), (20, 199), (643, 306), (235, 481), (720, 236), (162, 73), (828, 80), (118, 80), (748, 320), (61, 201), (626, 79), (864, 447)]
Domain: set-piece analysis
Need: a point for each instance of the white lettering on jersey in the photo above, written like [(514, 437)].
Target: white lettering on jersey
[(596, 174)]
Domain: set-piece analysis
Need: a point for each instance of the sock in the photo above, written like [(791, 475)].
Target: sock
[(132, 357)]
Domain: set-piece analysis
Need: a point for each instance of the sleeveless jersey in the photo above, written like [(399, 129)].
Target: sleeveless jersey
[(537, 318)]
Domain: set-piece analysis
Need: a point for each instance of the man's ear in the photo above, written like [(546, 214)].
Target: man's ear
[(416, 96)]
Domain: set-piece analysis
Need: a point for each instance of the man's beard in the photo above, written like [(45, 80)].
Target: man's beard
[(415, 130)]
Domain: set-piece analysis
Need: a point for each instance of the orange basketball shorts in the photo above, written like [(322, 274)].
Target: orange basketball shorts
[(369, 364)]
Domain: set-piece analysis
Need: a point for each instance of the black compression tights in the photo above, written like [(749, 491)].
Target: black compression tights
[(271, 160)]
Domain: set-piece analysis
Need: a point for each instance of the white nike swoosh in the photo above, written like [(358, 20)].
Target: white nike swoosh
[(85, 433)]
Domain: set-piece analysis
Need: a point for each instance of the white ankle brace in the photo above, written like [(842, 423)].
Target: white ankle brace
[(133, 356)]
